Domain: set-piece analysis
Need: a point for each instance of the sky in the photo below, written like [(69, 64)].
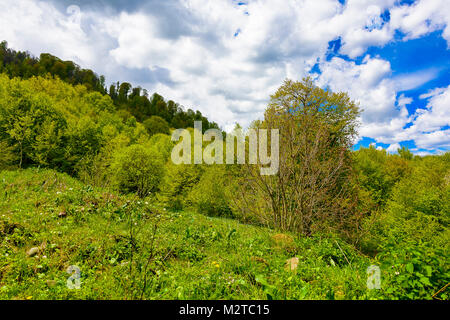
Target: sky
[(226, 57)]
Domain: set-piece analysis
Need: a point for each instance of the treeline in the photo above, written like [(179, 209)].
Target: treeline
[(133, 101)]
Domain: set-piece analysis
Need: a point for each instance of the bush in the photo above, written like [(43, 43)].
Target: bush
[(209, 196), (411, 234), (138, 169), (177, 183), (155, 125), (378, 172), (7, 156), (162, 144), (413, 271)]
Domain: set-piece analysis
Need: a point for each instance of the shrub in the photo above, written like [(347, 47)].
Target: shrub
[(7, 156), (209, 196), (177, 183), (163, 144), (378, 172), (413, 271), (155, 125), (418, 209), (138, 169)]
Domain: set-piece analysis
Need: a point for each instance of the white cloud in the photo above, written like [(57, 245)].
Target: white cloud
[(428, 123), (410, 81), (403, 101), (393, 148), (368, 83), (421, 18), (385, 115)]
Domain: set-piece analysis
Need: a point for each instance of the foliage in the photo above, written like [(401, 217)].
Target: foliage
[(209, 196), (162, 144), (155, 125), (135, 101), (378, 172), (413, 271), (177, 183), (311, 190), (189, 256), (138, 169)]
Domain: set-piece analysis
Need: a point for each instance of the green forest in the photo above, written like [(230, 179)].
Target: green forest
[(86, 180)]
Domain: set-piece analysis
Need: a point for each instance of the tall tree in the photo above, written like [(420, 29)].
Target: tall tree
[(312, 187)]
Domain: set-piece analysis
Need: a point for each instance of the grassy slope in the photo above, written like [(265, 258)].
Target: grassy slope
[(194, 257)]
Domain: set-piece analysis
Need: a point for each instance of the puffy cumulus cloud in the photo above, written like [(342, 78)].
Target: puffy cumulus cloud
[(26, 24), (385, 116), (235, 56), (361, 25), (428, 129), (422, 17), (433, 140), (393, 148), (369, 83)]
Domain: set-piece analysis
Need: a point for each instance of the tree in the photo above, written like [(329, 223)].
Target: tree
[(156, 124), (312, 189), (405, 153), (138, 169)]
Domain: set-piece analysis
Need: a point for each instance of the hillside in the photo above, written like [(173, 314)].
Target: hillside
[(133, 101), (192, 256), (127, 248)]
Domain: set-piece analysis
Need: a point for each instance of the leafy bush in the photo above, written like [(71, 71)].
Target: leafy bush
[(378, 172), (138, 169), (418, 209), (177, 183), (413, 271), (163, 144), (210, 196), (155, 125)]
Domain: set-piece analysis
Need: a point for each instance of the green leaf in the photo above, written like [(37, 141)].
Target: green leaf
[(303, 292), (428, 270), (410, 267), (425, 281), (332, 262), (261, 280)]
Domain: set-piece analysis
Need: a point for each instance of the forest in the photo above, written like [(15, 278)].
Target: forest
[(86, 180)]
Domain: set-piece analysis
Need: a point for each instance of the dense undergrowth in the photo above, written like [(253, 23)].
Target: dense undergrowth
[(129, 248)]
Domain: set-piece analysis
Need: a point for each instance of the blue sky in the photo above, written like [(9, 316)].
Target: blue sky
[(226, 57), (428, 52)]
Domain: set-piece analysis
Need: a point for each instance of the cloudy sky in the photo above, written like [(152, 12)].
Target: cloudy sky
[(225, 57)]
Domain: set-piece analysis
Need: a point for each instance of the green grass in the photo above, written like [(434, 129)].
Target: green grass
[(121, 255)]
